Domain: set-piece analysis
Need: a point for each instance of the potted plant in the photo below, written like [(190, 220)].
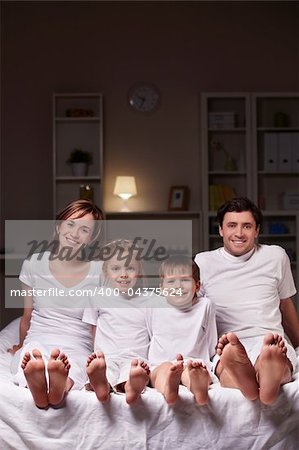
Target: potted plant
[(79, 160)]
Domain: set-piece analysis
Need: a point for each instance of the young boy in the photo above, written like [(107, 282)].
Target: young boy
[(183, 328), (121, 336)]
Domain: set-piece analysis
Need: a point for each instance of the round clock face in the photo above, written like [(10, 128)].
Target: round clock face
[(144, 98)]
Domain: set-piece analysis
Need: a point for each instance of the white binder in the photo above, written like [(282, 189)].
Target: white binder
[(271, 152), (285, 141), (295, 152)]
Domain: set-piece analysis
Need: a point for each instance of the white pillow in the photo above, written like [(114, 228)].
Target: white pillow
[(9, 335)]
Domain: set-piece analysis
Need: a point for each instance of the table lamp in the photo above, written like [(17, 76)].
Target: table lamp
[(125, 187)]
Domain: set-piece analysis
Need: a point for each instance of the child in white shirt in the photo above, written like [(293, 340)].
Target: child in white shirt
[(184, 329), (118, 319)]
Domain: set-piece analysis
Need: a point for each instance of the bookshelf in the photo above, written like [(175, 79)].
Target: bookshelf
[(275, 144), (77, 123), (226, 159), (250, 147)]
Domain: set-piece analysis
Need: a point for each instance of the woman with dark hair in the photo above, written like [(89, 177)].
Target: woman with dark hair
[(54, 283)]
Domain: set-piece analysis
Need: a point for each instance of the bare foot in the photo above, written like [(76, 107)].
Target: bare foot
[(34, 371), (58, 369), (96, 371), (273, 368), (235, 369), (172, 382), (199, 381), (138, 379)]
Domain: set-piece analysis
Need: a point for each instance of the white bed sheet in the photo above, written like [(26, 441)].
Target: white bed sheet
[(228, 422)]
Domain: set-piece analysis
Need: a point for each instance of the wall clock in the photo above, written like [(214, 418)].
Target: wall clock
[(144, 98)]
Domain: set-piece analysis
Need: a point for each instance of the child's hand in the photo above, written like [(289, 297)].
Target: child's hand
[(14, 348)]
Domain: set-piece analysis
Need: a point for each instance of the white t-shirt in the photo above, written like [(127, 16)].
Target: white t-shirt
[(121, 328), (191, 332), (57, 319), (247, 289)]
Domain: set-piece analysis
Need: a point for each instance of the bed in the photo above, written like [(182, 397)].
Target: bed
[(228, 422)]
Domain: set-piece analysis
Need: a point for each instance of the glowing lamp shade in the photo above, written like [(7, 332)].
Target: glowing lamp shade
[(125, 187)]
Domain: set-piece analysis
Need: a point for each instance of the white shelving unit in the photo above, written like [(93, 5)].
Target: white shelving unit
[(77, 123), (260, 131), (226, 157), (275, 131)]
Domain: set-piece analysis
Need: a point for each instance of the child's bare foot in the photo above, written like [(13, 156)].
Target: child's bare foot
[(96, 371), (58, 369), (138, 379), (199, 381), (34, 371), (235, 369), (172, 382), (273, 368)]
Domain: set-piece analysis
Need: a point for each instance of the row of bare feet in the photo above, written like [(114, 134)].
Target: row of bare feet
[(234, 370), (261, 380)]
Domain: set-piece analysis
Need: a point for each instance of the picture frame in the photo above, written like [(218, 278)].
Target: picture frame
[(178, 198)]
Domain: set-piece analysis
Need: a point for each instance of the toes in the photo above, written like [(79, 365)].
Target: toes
[(223, 340), (134, 362), (25, 359), (269, 339), (144, 365), (190, 364), (55, 353), (232, 338), (36, 353)]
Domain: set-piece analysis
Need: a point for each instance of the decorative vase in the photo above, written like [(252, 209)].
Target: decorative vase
[(79, 169), (230, 164)]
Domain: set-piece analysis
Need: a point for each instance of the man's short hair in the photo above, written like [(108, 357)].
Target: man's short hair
[(240, 204)]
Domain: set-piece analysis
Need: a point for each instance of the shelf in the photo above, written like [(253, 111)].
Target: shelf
[(228, 173), (77, 119), (153, 213), (280, 212), (225, 130), (277, 174), (280, 129), (277, 236), (71, 178)]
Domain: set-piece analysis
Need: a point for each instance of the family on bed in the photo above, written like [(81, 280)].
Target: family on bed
[(160, 341)]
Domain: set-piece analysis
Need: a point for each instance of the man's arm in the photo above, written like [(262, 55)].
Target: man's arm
[(290, 320)]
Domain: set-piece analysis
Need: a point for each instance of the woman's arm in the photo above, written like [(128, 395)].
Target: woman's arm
[(25, 320), (290, 321)]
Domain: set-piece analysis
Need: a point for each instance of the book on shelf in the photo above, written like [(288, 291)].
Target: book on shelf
[(219, 194), (222, 120)]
